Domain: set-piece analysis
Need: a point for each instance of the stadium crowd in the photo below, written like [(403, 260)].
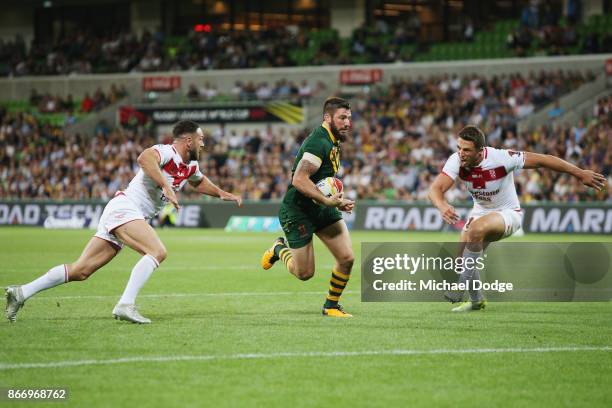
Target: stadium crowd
[(47, 103), (402, 138), (83, 51), (263, 91), (543, 28)]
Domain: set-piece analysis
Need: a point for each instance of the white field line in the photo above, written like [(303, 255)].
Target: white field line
[(284, 355), (163, 268), (219, 294)]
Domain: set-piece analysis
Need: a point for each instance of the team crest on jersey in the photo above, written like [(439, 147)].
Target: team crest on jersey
[(179, 173), (334, 157)]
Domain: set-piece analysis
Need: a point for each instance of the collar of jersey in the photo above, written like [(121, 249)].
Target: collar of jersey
[(182, 162), (331, 136)]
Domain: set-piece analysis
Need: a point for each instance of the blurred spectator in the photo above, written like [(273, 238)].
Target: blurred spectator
[(468, 30), (603, 107), (87, 104), (573, 10), (193, 94), (556, 112), (591, 44)]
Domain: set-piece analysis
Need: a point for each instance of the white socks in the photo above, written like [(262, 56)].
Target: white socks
[(140, 275), (59, 274), (55, 276)]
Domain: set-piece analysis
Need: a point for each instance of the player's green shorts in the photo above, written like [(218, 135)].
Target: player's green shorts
[(300, 223)]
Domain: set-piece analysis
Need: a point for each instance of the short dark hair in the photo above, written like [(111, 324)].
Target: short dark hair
[(184, 126), (333, 103), (473, 134)]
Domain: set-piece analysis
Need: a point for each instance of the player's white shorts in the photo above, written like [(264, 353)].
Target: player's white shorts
[(120, 210), (513, 220)]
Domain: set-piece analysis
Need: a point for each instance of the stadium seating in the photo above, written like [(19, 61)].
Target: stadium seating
[(400, 142), (83, 52), (58, 111)]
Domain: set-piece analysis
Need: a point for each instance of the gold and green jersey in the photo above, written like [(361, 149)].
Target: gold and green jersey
[(322, 144)]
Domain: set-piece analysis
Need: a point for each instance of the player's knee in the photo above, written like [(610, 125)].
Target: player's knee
[(346, 261), (304, 274), (159, 253), (79, 272), (476, 233)]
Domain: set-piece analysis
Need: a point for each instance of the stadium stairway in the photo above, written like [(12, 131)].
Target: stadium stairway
[(108, 115), (584, 109), (575, 104)]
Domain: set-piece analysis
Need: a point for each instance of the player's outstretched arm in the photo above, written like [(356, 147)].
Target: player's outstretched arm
[(440, 186), (587, 177), (149, 161), (205, 186), (302, 182)]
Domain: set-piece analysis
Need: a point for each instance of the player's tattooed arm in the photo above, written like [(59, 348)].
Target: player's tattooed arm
[(301, 180), (589, 178)]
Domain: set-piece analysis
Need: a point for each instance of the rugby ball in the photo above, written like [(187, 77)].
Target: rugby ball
[(329, 186)]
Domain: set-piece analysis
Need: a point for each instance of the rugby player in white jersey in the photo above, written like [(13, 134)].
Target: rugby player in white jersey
[(488, 176), (164, 169)]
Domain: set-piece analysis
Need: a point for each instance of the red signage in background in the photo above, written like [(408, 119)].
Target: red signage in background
[(129, 115), (257, 114), (360, 76), (161, 83), (609, 67), (199, 28)]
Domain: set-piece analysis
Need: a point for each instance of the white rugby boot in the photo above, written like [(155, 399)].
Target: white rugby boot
[(129, 313), (14, 302), (470, 306)]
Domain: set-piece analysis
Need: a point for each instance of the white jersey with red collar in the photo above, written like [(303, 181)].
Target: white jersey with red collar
[(145, 192), (491, 183)]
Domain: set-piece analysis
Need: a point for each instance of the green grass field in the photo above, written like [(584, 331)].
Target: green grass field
[(226, 333)]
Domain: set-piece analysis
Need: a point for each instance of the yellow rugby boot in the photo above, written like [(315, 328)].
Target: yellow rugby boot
[(269, 257), (335, 312)]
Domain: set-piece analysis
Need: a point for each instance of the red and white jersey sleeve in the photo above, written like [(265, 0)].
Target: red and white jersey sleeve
[(513, 160), (166, 152), (451, 167), (145, 192), (491, 183)]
